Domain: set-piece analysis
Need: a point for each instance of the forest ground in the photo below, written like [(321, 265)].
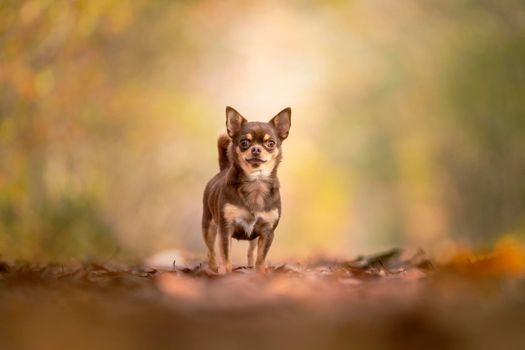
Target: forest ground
[(385, 301)]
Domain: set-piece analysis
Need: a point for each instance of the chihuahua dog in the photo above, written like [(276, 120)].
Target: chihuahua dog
[(242, 201)]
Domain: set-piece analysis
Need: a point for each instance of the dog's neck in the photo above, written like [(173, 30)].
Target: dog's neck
[(237, 175), (253, 190)]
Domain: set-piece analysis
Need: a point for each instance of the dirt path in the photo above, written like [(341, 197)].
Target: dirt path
[(377, 302)]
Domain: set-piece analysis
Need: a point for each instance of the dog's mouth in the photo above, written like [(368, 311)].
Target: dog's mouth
[(255, 161)]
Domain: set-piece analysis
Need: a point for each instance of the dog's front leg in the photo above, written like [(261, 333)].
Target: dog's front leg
[(224, 247), (263, 246)]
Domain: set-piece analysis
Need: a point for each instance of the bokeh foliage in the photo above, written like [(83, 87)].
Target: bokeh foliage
[(408, 121)]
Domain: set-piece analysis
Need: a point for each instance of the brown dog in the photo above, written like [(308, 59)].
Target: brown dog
[(242, 201)]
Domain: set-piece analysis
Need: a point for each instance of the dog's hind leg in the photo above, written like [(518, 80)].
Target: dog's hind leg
[(209, 232), (251, 250)]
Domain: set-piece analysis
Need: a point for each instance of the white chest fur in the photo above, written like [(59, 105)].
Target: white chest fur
[(239, 216)]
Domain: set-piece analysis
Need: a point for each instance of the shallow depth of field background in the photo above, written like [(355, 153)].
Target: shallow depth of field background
[(408, 123)]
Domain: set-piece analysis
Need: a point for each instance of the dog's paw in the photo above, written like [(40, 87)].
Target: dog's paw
[(226, 268), (260, 268), (213, 267), (212, 264)]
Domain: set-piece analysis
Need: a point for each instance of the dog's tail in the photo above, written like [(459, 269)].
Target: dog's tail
[(222, 144)]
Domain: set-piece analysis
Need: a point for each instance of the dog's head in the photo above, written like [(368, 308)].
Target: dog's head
[(256, 146)]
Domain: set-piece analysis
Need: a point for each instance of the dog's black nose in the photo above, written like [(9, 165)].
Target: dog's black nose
[(256, 150)]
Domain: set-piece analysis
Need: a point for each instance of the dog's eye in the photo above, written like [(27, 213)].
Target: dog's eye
[(245, 143), (270, 143)]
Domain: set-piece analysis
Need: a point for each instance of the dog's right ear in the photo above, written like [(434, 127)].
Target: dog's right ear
[(234, 121)]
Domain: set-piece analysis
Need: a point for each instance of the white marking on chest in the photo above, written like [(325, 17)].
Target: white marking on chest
[(235, 215)]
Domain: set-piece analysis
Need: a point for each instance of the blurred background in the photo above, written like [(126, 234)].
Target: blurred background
[(408, 123)]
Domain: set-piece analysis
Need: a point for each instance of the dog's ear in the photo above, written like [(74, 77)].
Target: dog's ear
[(282, 122), (234, 121)]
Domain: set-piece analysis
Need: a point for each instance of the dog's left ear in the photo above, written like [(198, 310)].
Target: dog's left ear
[(282, 122)]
